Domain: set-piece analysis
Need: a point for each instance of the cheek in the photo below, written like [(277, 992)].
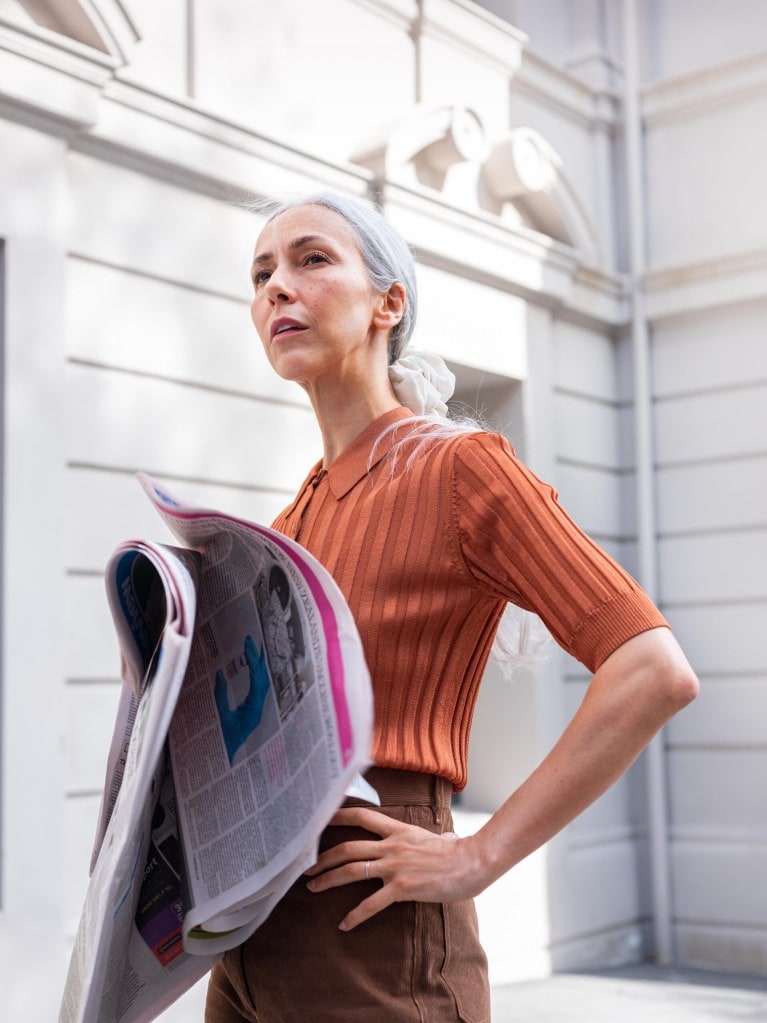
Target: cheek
[(258, 317)]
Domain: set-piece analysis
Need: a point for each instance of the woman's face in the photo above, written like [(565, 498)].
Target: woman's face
[(314, 306)]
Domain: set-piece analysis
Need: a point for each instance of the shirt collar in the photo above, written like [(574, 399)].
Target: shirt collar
[(355, 460)]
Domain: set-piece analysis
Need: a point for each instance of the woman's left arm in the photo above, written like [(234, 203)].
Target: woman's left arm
[(635, 691)]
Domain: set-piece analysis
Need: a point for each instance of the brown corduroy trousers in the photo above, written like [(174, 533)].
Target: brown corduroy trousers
[(415, 962)]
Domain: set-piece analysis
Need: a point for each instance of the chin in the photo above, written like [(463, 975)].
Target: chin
[(294, 370)]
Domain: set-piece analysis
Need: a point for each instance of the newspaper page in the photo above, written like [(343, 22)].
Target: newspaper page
[(152, 594), (218, 788), (277, 672)]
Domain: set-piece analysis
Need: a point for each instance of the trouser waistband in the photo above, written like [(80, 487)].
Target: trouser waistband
[(409, 788)]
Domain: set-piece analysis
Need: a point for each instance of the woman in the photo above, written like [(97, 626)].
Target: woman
[(429, 530)]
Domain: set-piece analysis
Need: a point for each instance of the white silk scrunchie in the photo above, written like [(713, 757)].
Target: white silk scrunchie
[(422, 382)]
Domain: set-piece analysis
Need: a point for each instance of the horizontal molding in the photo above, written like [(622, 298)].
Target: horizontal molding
[(730, 279), (684, 463), (509, 258), (691, 746), (174, 139), (580, 840), (614, 404), (723, 677), (57, 51), (701, 92), (692, 605), (149, 275), (76, 682), (177, 140), (399, 12), (720, 837), (707, 678), (621, 471), (721, 925), (224, 484), (195, 385), (84, 573), (78, 794), (760, 383), (471, 28), (587, 937), (712, 531), (58, 101)]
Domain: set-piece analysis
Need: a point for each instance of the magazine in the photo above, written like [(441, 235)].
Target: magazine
[(244, 718)]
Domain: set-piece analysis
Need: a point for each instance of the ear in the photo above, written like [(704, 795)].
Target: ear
[(390, 307)]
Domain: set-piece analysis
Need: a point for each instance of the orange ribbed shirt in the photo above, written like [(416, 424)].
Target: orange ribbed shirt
[(427, 555)]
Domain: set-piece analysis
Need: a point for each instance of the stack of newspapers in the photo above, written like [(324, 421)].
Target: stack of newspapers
[(245, 716)]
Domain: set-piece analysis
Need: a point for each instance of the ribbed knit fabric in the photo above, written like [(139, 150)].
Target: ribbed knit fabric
[(427, 555)]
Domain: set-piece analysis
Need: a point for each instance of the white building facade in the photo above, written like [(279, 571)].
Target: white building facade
[(582, 181)]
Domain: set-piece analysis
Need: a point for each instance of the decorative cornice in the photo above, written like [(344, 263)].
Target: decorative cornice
[(50, 81), (431, 139), (466, 25), (506, 257), (93, 29), (58, 52), (177, 140), (524, 169), (399, 12)]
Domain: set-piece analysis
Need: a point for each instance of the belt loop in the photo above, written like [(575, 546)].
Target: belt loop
[(439, 810)]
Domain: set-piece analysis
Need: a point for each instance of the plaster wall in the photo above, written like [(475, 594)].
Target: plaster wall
[(710, 400), (128, 345), (703, 102)]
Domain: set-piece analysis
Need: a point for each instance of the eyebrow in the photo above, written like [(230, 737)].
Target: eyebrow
[(297, 243)]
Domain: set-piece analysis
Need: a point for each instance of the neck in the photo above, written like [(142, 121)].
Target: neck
[(342, 419), (351, 395)]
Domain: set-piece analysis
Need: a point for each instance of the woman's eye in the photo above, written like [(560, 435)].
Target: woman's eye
[(261, 277), (315, 257)]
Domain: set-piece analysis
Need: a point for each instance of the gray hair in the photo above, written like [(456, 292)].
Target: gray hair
[(385, 253)]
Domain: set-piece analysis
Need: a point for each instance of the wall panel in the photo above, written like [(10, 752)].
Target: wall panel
[(587, 432), (722, 639), (691, 164), (702, 784), (729, 713), (116, 509), (130, 422), (709, 496), (158, 328), (720, 883), (718, 567), (723, 347), (726, 424)]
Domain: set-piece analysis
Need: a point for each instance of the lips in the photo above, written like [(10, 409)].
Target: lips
[(285, 326)]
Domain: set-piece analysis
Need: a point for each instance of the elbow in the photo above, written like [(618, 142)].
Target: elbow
[(676, 684), (679, 682), (683, 687)]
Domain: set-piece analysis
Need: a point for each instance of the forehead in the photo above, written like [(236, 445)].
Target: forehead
[(305, 221)]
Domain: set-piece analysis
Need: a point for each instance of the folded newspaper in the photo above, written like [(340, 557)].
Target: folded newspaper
[(245, 716)]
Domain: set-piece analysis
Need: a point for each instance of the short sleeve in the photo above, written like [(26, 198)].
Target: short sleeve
[(518, 543)]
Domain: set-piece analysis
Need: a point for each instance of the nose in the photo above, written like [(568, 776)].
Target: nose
[(279, 286)]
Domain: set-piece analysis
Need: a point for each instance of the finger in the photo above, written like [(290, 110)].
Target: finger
[(363, 817), (366, 909), (345, 853), (348, 873)]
